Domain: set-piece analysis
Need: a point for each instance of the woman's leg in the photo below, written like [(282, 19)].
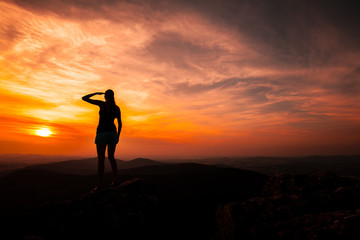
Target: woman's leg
[(101, 148), (111, 152)]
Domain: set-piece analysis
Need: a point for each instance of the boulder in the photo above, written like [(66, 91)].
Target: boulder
[(126, 211), (313, 206)]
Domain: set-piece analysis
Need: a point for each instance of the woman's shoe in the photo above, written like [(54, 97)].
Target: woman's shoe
[(96, 189)]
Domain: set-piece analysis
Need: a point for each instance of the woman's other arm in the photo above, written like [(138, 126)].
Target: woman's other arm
[(118, 116)]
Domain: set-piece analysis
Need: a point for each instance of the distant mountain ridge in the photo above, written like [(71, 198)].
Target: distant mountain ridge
[(89, 165), (30, 159), (342, 165), (14, 161)]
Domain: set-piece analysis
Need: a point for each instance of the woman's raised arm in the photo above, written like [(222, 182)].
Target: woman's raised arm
[(86, 98)]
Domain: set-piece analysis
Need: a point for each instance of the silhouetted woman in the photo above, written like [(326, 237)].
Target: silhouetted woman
[(106, 134)]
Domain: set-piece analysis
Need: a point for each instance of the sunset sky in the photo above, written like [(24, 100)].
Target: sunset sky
[(192, 78)]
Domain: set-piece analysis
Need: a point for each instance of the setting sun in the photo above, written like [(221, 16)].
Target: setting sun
[(43, 132)]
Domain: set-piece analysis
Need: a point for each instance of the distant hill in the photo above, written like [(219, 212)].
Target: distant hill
[(7, 168), (78, 166), (138, 162), (29, 159), (348, 166), (89, 166), (13, 161)]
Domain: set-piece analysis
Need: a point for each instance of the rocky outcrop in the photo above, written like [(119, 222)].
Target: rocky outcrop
[(127, 211), (314, 206)]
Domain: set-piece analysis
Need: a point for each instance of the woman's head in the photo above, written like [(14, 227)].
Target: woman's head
[(109, 96)]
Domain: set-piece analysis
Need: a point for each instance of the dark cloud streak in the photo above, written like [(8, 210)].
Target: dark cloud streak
[(186, 88), (172, 48)]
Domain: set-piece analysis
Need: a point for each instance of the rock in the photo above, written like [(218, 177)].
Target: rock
[(126, 211), (314, 206)]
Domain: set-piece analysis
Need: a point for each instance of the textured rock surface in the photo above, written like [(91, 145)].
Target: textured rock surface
[(127, 211), (314, 206)]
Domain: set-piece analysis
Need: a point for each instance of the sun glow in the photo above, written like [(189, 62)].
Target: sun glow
[(43, 132)]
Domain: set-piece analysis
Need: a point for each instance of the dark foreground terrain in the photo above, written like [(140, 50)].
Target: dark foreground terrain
[(173, 201), (177, 201)]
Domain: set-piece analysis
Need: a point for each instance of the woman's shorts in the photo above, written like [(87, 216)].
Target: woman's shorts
[(106, 138)]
